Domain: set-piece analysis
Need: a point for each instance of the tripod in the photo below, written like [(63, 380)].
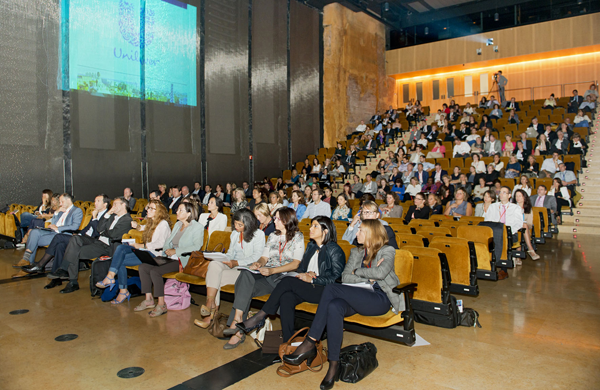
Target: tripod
[(495, 83)]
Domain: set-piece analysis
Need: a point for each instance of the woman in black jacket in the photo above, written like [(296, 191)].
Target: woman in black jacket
[(420, 210), (322, 264)]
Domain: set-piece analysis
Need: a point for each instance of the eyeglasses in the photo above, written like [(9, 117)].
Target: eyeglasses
[(152, 208), (277, 219), (369, 212)]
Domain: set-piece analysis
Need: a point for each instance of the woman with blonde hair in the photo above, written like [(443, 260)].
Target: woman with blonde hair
[(156, 231), (372, 263), (266, 222), (238, 201)]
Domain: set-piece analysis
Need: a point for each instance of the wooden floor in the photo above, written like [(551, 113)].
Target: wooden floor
[(541, 330)]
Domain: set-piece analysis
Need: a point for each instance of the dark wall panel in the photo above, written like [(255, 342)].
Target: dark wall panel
[(226, 72), (31, 136), (269, 87), (304, 73)]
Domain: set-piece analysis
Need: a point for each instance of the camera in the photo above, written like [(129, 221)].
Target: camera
[(496, 76)]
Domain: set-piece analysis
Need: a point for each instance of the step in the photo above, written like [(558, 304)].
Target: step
[(581, 220), (564, 230)]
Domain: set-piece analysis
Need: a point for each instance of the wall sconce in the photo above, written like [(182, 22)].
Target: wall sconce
[(478, 52), (496, 48)]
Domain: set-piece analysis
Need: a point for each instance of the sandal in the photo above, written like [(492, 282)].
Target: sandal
[(158, 311), (202, 323), (534, 256), (145, 305), (518, 261), (116, 301), (110, 284)]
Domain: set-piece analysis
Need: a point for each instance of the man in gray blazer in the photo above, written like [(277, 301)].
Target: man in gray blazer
[(546, 201), (66, 220), (493, 146)]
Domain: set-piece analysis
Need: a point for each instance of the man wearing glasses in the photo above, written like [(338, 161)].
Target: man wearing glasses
[(111, 228), (369, 210)]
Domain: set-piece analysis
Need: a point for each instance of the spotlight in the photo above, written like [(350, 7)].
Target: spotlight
[(496, 49), (478, 52), (426, 30), (489, 42), (496, 17), (386, 6)]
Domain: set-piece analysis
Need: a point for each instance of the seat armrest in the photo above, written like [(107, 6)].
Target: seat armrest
[(405, 288), (186, 254)]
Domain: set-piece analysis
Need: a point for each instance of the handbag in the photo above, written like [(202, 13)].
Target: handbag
[(217, 325), (197, 265), (287, 370), (469, 317), (273, 339), (357, 361)]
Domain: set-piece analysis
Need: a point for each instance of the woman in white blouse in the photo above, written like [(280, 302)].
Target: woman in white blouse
[(247, 243), (214, 219), (412, 189), (497, 164), (156, 230), (481, 209), (479, 165), (468, 109), (316, 168), (581, 120), (523, 185), (275, 202)]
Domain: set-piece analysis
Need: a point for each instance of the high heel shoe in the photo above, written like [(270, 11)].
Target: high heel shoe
[(117, 302), (328, 384), (110, 285), (240, 326), (204, 311), (296, 360), (202, 324), (534, 256)]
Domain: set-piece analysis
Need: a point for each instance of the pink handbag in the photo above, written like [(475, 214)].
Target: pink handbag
[(177, 295)]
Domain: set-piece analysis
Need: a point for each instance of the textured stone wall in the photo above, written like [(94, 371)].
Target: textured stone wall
[(354, 75)]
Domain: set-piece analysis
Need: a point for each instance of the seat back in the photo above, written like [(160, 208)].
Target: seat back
[(483, 239), (409, 239), (429, 232), (421, 222), (540, 220), (346, 248), (439, 218), (2, 229), (403, 266), (403, 229), (472, 220), (427, 273), (218, 240), (459, 259)]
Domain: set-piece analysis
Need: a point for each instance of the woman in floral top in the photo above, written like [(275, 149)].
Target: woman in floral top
[(283, 253), (239, 200), (342, 212)]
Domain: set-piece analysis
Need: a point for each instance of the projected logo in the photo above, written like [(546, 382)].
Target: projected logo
[(129, 24)]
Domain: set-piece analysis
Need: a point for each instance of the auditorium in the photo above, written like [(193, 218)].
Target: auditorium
[(299, 194)]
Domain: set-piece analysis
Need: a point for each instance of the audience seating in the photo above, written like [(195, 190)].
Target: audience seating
[(462, 265), (481, 246)]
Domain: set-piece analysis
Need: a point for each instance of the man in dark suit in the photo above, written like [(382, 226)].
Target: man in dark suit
[(433, 135), (111, 228), (537, 125), (551, 136), (128, 195), (349, 160), (511, 105), (175, 199), (57, 247), (424, 128), (185, 192), (546, 201), (560, 145), (527, 145), (575, 102), (421, 175), (438, 173), (247, 189), (389, 134), (375, 118)]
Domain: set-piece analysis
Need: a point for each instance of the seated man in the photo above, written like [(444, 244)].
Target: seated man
[(408, 174), (560, 145), (369, 187), (389, 134), (128, 195), (370, 144), (588, 105), (438, 173), (427, 166), (567, 178), (575, 102), (550, 166), (207, 195), (185, 192), (421, 174), (173, 203), (507, 213), (317, 206), (361, 128), (368, 210), (461, 149), (545, 201), (511, 105), (197, 188), (66, 219), (492, 147), (111, 228), (57, 247)]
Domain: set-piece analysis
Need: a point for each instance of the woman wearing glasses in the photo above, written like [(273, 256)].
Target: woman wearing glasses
[(420, 210)]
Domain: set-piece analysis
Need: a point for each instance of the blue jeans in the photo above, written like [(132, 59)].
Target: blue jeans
[(580, 124), (122, 258)]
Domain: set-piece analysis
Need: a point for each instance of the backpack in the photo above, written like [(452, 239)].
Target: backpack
[(450, 321), (99, 270), (177, 295), (469, 317)]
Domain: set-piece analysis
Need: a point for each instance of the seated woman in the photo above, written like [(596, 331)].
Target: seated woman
[(214, 219), (483, 103), (392, 208), (258, 197), (382, 189), (486, 122), (433, 201), (422, 141), (531, 167), (455, 177), (348, 192), (275, 202), (508, 147), (561, 193), (523, 185), (412, 189), (578, 146), (496, 112), (187, 236), (520, 153), (438, 151), (460, 206), (479, 165), (267, 223), (342, 212), (282, 253), (549, 103), (316, 168), (298, 204), (368, 210), (420, 210), (481, 209), (247, 243), (479, 190), (450, 187), (219, 192), (372, 263), (522, 199), (513, 169), (581, 120), (157, 230), (321, 265), (543, 146)]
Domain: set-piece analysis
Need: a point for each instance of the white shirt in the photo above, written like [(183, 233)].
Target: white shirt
[(313, 210), (468, 110), (491, 149), (512, 212), (114, 222), (479, 166), (206, 198), (520, 187), (313, 264), (63, 217), (361, 128), (427, 166), (173, 202), (462, 148), (549, 166)]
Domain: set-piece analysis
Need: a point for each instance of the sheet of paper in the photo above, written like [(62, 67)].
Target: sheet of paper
[(216, 256), (241, 267), (292, 274), (366, 285), (128, 241)]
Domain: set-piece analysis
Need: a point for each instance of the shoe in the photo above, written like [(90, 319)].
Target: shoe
[(145, 306), (59, 274), (20, 274), (53, 283), (202, 324), (232, 346), (110, 284), (33, 269), (230, 331), (20, 246), (517, 261), (276, 360), (71, 287), (158, 311), (327, 385), (240, 326), (116, 301), (204, 311), (21, 263), (534, 256), (296, 360), (502, 275)]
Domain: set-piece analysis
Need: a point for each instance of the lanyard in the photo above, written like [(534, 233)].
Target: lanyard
[(281, 250), (502, 214)]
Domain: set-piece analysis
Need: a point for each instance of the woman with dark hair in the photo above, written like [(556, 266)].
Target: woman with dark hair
[(391, 208), (298, 204), (279, 185), (348, 191), (444, 193), (214, 219), (561, 193), (489, 197), (522, 199), (433, 201), (187, 236), (156, 230), (282, 253), (491, 176), (342, 212), (372, 263), (258, 197), (228, 195), (420, 210), (486, 122), (275, 202), (247, 243), (460, 206), (322, 264)]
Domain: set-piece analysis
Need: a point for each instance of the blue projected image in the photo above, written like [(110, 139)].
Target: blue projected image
[(105, 42)]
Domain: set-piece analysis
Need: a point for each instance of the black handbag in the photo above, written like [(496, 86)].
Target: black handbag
[(357, 361)]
